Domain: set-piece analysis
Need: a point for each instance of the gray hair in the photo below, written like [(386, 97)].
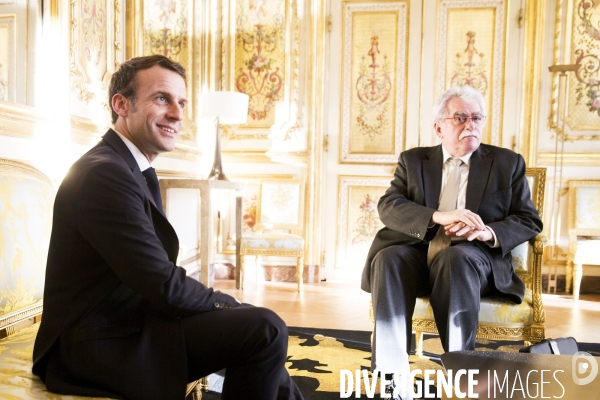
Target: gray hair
[(466, 93)]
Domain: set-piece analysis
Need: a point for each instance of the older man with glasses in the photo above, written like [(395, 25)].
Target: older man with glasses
[(452, 215)]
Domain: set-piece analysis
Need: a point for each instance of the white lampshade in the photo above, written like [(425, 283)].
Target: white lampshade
[(230, 107)]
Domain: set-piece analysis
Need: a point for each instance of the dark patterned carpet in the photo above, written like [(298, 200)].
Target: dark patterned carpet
[(316, 356)]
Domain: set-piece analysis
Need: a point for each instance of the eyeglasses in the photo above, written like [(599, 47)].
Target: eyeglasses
[(462, 119)]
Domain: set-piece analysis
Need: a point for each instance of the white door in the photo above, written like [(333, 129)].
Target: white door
[(388, 61)]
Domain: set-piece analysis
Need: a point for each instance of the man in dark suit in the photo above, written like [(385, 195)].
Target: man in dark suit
[(121, 320), (452, 215)]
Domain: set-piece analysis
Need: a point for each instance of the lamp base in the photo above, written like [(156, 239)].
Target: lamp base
[(216, 174)]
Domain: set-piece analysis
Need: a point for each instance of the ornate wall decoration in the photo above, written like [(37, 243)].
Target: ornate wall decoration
[(472, 32), (7, 58), (470, 66), (358, 219), (261, 58), (93, 47), (582, 46), (167, 27), (373, 81)]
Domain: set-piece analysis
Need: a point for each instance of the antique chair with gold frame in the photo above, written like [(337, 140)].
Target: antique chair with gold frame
[(278, 222), (501, 319), (584, 230)]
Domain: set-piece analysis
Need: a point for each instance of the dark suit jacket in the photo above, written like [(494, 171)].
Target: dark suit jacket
[(113, 296), (497, 191)]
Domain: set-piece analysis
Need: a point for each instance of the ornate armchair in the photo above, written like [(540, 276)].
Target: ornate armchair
[(501, 319), (584, 230), (278, 211)]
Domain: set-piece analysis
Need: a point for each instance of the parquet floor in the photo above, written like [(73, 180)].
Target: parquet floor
[(342, 305)]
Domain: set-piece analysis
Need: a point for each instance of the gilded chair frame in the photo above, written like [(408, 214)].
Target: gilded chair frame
[(260, 225), (575, 264)]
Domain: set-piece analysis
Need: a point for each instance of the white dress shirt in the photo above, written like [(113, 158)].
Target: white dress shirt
[(141, 159)]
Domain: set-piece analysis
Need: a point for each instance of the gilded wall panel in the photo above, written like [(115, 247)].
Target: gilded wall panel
[(358, 219), (260, 57), (581, 35), (7, 58), (93, 47), (471, 39), (168, 27), (259, 66), (374, 43)]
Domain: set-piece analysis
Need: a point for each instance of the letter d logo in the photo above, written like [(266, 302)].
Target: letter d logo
[(585, 368)]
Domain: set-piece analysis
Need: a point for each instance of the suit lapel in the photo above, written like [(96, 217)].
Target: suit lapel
[(164, 230), (479, 171), (432, 177), (113, 139)]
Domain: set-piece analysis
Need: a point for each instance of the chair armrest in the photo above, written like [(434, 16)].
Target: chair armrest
[(538, 243)]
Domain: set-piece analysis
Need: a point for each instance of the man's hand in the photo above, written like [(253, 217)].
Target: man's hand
[(460, 229), (463, 223), (468, 218)]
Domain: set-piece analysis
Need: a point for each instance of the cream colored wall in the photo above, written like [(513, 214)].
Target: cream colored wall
[(58, 110)]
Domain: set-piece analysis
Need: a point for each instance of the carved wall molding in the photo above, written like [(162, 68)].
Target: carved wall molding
[(577, 41), (22, 121), (374, 81), (8, 58)]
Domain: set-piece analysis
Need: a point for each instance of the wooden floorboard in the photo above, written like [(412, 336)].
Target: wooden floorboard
[(342, 305)]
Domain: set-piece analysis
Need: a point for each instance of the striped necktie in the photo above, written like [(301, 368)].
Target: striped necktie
[(447, 203)]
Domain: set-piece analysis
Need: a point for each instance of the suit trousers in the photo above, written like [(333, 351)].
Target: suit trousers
[(250, 342), (457, 279)]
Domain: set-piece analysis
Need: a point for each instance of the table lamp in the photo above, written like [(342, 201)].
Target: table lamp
[(228, 108)]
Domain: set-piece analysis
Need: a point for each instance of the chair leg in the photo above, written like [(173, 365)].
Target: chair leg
[(260, 278), (418, 343), (197, 392), (569, 275), (577, 274), (299, 272), (242, 272), (203, 384)]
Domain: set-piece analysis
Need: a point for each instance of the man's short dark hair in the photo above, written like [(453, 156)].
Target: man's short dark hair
[(124, 79)]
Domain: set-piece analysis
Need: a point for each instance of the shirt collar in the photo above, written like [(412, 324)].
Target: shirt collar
[(464, 158), (141, 159)]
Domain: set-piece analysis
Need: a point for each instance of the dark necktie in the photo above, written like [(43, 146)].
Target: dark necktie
[(447, 203), (152, 181)]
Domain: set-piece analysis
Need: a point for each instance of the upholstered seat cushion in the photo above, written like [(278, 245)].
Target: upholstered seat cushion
[(272, 241), (586, 252), (16, 380), (493, 311), (520, 258)]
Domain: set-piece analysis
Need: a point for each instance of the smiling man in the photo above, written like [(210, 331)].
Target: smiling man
[(452, 215), (121, 320)]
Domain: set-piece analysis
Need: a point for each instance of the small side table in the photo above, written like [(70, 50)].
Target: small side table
[(207, 225)]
